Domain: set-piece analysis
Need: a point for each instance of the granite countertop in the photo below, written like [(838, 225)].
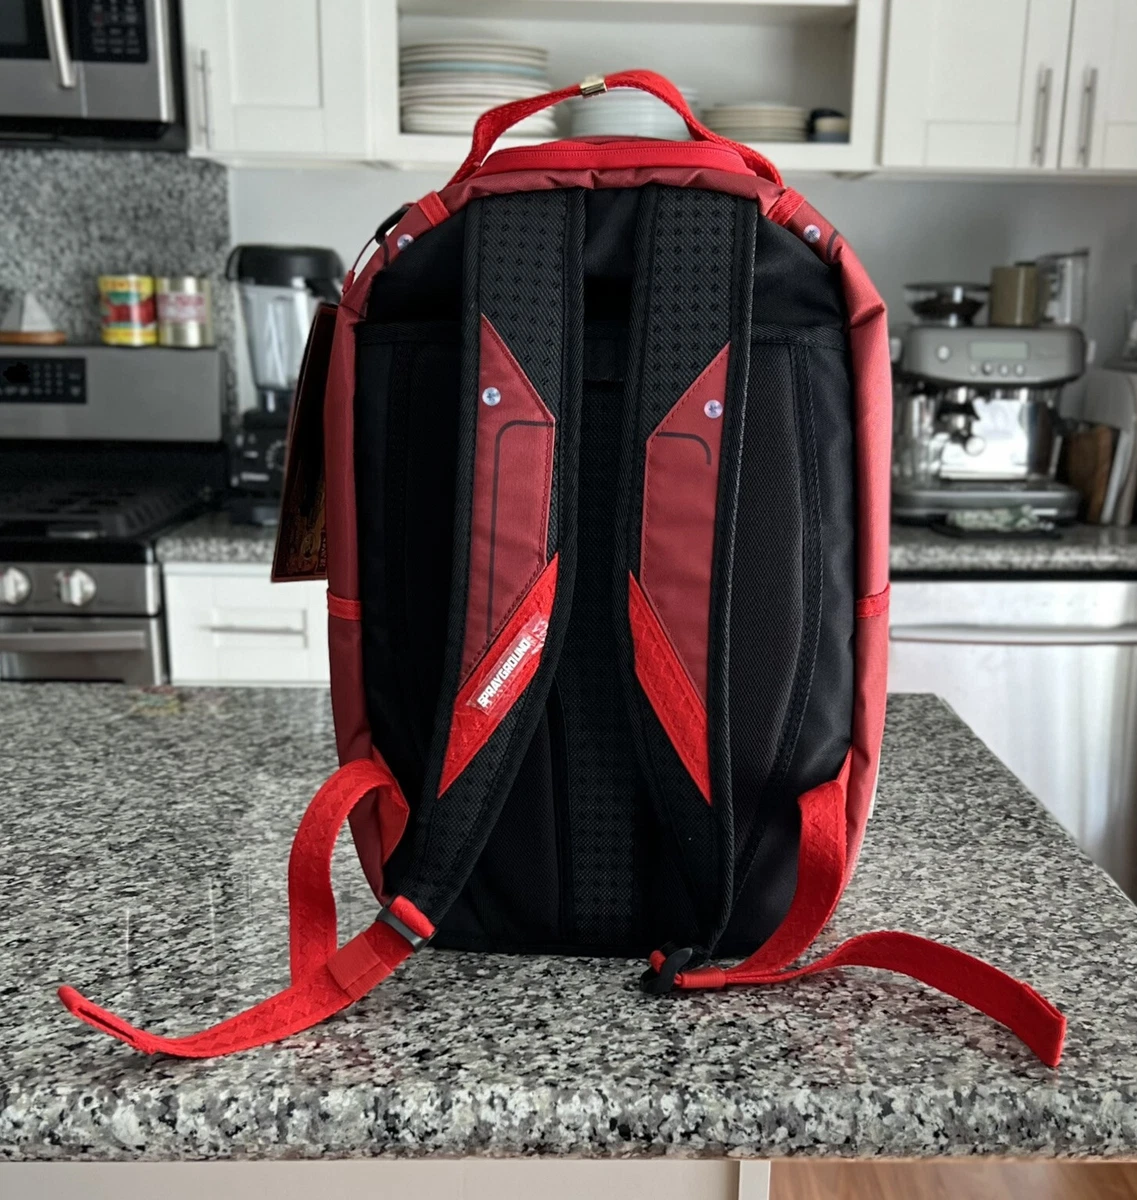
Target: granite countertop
[(213, 538), (1078, 549), (146, 834)]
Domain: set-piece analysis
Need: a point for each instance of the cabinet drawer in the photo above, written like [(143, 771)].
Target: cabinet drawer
[(234, 626)]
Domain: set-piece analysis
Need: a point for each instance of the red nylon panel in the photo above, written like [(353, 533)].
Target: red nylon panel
[(681, 476), (669, 690), (471, 725), (605, 153), (513, 483)]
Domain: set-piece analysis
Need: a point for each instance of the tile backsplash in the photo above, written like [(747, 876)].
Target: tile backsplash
[(68, 216)]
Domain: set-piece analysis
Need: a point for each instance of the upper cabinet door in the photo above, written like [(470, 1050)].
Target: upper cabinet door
[(975, 83), (280, 78), (1100, 129)]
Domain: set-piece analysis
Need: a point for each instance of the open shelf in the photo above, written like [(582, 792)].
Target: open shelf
[(812, 53)]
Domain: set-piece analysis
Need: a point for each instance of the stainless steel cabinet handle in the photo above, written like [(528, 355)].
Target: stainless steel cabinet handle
[(1086, 116), (93, 641), (1041, 117), (206, 125), (276, 630), (57, 45), (1018, 635)]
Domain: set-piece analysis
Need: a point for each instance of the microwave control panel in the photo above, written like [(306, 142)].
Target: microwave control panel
[(111, 31)]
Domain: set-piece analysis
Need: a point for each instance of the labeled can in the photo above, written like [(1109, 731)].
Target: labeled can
[(126, 304), (185, 310)]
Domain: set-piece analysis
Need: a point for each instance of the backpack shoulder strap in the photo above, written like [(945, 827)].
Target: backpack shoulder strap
[(685, 397), (515, 524), (514, 561)]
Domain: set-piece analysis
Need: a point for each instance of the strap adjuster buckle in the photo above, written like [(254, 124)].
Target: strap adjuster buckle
[(416, 940), (593, 85), (659, 983)]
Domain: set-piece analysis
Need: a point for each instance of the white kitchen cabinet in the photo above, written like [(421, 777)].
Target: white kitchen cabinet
[(1100, 127), (278, 79), (226, 623), (977, 84)]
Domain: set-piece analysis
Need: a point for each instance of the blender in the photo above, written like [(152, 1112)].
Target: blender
[(280, 288)]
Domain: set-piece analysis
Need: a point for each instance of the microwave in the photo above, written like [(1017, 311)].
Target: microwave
[(90, 72)]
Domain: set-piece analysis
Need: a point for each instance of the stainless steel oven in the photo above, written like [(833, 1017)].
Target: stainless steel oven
[(75, 66), (101, 449)]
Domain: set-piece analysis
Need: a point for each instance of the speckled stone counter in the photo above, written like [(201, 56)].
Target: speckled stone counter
[(213, 538), (145, 837), (1078, 550)]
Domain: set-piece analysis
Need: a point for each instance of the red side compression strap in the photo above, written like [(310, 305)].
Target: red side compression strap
[(324, 979), (821, 870)]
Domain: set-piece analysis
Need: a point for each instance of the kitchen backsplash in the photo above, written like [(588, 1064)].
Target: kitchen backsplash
[(68, 216)]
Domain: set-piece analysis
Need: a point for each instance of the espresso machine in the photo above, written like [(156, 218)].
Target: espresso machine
[(975, 423)]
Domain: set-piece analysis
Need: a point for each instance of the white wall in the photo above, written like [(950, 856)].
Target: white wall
[(903, 230)]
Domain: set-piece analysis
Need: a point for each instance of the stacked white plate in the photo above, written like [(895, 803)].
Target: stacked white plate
[(629, 112), (445, 86), (759, 122)]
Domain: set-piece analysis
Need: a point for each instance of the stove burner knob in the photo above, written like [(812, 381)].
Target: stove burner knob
[(15, 586), (75, 587)]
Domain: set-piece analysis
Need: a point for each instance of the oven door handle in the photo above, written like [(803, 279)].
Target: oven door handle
[(1018, 635), (92, 641), (56, 25)]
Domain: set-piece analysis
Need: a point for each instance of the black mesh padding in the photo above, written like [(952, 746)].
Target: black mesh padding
[(688, 257), (577, 853), (604, 781), (519, 249), (521, 281)]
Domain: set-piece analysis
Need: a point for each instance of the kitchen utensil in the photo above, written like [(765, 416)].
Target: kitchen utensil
[(1063, 284), (26, 323), (185, 310), (126, 304), (951, 304), (1013, 298)]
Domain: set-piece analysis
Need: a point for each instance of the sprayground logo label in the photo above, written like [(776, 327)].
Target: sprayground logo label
[(505, 677)]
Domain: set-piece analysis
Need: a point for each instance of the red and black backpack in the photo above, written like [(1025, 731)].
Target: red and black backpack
[(605, 443)]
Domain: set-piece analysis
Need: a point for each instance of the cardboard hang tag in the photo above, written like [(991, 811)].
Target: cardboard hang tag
[(301, 541)]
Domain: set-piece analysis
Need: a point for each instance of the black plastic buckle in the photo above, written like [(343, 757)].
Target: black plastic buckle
[(416, 940), (659, 983)]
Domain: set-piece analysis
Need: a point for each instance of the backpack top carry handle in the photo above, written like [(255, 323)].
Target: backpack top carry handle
[(492, 124)]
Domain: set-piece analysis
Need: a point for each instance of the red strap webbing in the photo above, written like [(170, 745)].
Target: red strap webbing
[(821, 872), (325, 977)]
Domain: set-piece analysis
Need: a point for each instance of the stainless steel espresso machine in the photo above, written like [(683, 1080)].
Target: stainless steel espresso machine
[(975, 420)]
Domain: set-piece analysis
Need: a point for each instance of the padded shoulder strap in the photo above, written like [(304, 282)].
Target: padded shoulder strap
[(515, 526), (689, 351)]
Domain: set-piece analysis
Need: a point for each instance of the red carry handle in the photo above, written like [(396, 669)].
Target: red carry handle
[(492, 124)]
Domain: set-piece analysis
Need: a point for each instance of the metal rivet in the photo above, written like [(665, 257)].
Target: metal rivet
[(491, 396), (811, 234), (713, 409), (405, 239)]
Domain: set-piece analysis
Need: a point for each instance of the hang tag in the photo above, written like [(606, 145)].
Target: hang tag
[(301, 542)]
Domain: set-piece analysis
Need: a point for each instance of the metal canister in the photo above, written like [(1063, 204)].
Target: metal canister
[(126, 304), (185, 310)]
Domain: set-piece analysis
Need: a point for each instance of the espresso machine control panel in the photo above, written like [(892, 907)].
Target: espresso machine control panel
[(988, 357)]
